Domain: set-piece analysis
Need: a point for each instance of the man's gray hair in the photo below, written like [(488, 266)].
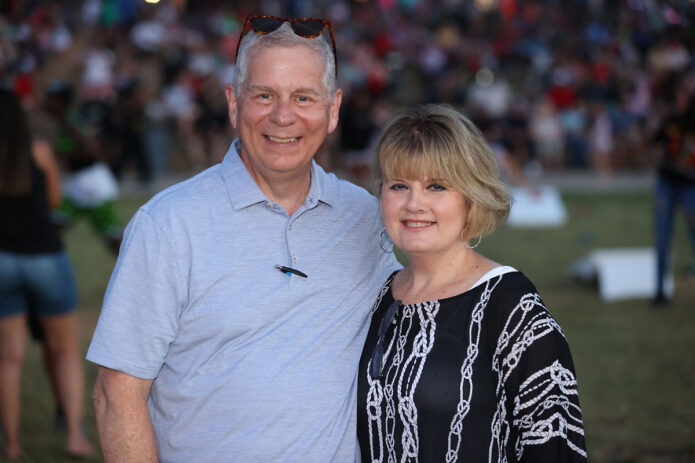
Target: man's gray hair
[(284, 36)]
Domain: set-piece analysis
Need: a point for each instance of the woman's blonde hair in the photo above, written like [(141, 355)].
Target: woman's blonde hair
[(436, 142)]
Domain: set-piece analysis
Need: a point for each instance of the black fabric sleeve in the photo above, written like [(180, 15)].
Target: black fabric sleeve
[(539, 405)]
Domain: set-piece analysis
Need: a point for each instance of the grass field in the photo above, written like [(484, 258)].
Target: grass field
[(635, 365)]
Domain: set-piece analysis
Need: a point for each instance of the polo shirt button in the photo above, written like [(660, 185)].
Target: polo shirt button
[(294, 258), (290, 227)]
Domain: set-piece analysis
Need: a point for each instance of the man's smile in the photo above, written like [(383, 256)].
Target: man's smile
[(282, 140)]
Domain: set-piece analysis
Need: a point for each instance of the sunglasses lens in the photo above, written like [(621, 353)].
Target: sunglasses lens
[(388, 318), (378, 353), (376, 361), (265, 24), (308, 28)]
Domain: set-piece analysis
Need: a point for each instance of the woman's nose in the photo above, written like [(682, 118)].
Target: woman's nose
[(416, 201)]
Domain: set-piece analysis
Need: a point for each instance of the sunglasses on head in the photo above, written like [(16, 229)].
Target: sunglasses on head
[(309, 28), (377, 359)]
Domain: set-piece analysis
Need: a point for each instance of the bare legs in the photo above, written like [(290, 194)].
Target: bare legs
[(12, 351), (63, 359), (63, 354)]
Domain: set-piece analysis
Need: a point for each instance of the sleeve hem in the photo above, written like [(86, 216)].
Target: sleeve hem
[(119, 365)]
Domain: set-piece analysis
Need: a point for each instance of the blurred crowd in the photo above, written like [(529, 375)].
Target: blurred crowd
[(573, 84)]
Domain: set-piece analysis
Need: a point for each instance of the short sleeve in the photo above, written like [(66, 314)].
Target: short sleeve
[(142, 304)]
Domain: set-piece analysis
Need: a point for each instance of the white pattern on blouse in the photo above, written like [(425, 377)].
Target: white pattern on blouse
[(535, 414)]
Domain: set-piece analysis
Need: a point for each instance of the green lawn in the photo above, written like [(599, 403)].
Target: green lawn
[(635, 365)]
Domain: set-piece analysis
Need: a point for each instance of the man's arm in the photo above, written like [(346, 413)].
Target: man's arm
[(123, 420)]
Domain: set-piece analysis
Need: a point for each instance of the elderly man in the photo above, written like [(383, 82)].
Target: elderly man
[(234, 320)]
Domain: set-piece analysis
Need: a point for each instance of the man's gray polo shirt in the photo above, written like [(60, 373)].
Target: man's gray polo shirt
[(249, 364)]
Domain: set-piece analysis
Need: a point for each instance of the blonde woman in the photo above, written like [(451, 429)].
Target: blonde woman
[(462, 362)]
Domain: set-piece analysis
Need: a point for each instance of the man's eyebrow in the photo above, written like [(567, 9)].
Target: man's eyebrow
[(261, 88), (301, 90), (309, 90)]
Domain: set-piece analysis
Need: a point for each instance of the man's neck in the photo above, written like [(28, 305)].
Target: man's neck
[(290, 193), (288, 190)]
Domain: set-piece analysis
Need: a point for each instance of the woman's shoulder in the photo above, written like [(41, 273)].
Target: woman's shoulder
[(510, 293), (515, 283), (505, 282), (385, 296)]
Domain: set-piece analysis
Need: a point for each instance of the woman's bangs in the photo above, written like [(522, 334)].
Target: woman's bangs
[(411, 164)]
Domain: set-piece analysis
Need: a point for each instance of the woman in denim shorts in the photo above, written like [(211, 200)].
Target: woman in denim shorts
[(35, 277)]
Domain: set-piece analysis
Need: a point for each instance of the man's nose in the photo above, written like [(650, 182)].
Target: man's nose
[(283, 113)]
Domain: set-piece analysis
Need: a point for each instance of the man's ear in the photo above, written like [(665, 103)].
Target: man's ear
[(231, 103), (334, 110)]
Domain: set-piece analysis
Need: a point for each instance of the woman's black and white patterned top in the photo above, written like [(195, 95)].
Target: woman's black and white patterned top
[(484, 376)]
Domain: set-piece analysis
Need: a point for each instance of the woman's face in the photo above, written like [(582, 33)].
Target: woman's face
[(423, 216)]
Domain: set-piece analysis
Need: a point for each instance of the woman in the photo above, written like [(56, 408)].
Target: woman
[(35, 275), (462, 361)]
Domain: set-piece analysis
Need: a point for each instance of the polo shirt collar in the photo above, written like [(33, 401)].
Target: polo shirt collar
[(243, 190)]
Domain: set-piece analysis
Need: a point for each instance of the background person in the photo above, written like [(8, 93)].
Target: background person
[(239, 360), (90, 187), (35, 275), (462, 362), (675, 184)]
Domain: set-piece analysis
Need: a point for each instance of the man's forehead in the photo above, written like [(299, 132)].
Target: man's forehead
[(299, 74), (285, 49)]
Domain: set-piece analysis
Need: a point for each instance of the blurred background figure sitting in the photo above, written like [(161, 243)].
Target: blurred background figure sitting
[(35, 276)]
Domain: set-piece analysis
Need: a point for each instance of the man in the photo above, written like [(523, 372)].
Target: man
[(208, 351)]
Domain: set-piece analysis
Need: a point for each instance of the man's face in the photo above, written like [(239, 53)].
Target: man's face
[(284, 112)]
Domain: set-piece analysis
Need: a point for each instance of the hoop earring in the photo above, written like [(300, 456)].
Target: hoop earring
[(468, 245)]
